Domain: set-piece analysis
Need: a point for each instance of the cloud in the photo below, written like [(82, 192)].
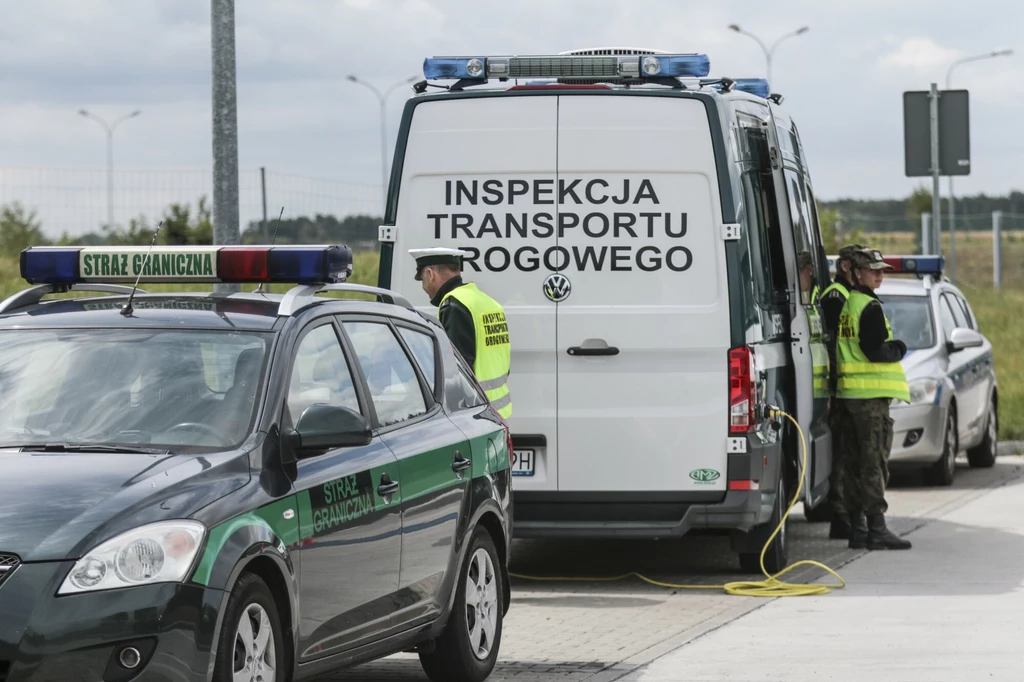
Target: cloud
[(918, 54)]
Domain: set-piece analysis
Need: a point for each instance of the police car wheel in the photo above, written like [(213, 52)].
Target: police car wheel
[(251, 646), (777, 556), (944, 470), (468, 648), (984, 454)]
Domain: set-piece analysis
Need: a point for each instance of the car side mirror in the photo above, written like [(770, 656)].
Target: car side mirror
[(323, 427), (962, 337)]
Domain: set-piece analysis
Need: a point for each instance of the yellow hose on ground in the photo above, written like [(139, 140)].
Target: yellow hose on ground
[(770, 587)]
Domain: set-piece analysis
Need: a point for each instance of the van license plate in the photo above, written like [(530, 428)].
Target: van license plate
[(522, 462)]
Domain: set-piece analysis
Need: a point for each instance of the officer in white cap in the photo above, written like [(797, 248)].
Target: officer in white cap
[(474, 321)]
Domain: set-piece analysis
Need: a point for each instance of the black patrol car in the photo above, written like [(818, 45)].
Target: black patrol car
[(240, 486)]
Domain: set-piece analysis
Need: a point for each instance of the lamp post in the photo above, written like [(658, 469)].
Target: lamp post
[(952, 212), (382, 99), (110, 156), (769, 51)]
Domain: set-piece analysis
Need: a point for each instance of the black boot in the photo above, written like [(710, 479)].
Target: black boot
[(880, 537), (840, 528), (858, 530)]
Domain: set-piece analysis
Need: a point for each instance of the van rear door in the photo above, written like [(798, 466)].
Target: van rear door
[(643, 330), (479, 173)]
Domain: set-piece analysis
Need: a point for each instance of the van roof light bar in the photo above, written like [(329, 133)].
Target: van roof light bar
[(605, 67)]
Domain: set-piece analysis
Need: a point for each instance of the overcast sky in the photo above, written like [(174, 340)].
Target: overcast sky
[(297, 114)]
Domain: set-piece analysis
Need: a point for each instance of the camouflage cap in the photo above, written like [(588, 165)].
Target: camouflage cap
[(846, 253), (870, 259)]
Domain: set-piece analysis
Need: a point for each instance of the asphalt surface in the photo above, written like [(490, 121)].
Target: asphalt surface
[(603, 631)]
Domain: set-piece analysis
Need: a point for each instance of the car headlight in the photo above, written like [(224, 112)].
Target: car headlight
[(923, 392), (156, 553)]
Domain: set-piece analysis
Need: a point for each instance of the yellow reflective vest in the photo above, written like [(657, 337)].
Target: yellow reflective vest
[(493, 351), (858, 376)]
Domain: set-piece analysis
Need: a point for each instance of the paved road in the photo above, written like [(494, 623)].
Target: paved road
[(949, 610), (575, 631)]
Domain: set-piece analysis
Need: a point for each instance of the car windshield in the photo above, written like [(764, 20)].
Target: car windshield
[(165, 390), (911, 320)]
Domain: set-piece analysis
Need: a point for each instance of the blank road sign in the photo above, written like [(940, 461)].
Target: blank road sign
[(954, 133)]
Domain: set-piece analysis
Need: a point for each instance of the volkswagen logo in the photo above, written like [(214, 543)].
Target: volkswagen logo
[(557, 287)]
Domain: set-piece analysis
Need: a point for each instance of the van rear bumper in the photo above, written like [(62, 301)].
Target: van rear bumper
[(634, 515)]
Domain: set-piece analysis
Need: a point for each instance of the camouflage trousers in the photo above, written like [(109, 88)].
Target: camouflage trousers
[(865, 442), (837, 417)]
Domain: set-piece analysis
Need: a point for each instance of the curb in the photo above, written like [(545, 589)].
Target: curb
[(1010, 447)]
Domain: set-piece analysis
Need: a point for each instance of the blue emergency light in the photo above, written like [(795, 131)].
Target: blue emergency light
[(320, 264), (605, 67), (754, 86), (907, 265)]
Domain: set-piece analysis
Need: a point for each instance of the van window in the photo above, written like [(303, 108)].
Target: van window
[(762, 218), (821, 272), (803, 237)]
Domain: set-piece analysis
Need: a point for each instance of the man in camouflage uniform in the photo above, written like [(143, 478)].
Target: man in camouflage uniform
[(870, 377)]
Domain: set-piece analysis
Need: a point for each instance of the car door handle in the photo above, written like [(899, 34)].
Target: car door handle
[(387, 488), (461, 463), (593, 347), (580, 350)]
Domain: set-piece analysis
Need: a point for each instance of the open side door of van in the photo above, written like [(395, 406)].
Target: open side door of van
[(807, 347)]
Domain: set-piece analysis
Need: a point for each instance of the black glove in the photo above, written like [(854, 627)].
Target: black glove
[(902, 346)]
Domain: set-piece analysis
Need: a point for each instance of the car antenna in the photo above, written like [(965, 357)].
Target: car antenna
[(127, 309), (277, 224)]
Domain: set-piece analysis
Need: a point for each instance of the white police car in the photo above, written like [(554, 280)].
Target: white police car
[(954, 396)]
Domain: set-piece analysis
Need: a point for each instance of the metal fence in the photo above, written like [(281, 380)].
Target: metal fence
[(75, 201)]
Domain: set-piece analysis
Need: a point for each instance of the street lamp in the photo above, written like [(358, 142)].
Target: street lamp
[(110, 156), (382, 99), (768, 52), (952, 212)]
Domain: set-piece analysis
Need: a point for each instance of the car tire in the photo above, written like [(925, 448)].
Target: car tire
[(943, 471), (984, 454), (777, 556), (463, 653), (251, 616)]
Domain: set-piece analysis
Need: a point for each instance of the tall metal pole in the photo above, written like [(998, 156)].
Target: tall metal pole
[(109, 129), (382, 99), (225, 129), (952, 209), (769, 51), (263, 194), (933, 97)]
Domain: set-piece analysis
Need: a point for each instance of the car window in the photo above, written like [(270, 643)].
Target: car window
[(461, 393), (422, 347), (968, 317), (320, 375), (911, 320), (958, 312), (394, 387), (179, 390), (946, 315)]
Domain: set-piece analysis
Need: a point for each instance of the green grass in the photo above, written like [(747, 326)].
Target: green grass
[(996, 310), (998, 321)]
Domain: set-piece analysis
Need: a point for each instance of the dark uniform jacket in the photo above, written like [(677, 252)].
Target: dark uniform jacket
[(831, 306), (456, 320)]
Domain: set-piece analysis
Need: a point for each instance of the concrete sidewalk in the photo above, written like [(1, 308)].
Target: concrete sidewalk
[(951, 608)]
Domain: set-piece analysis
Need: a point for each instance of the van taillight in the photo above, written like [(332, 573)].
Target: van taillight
[(742, 393)]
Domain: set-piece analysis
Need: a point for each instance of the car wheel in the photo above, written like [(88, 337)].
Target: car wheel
[(944, 470), (468, 648), (984, 454), (777, 556), (251, 645)]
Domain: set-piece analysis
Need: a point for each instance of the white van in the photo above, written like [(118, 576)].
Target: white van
[(641, 224)]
